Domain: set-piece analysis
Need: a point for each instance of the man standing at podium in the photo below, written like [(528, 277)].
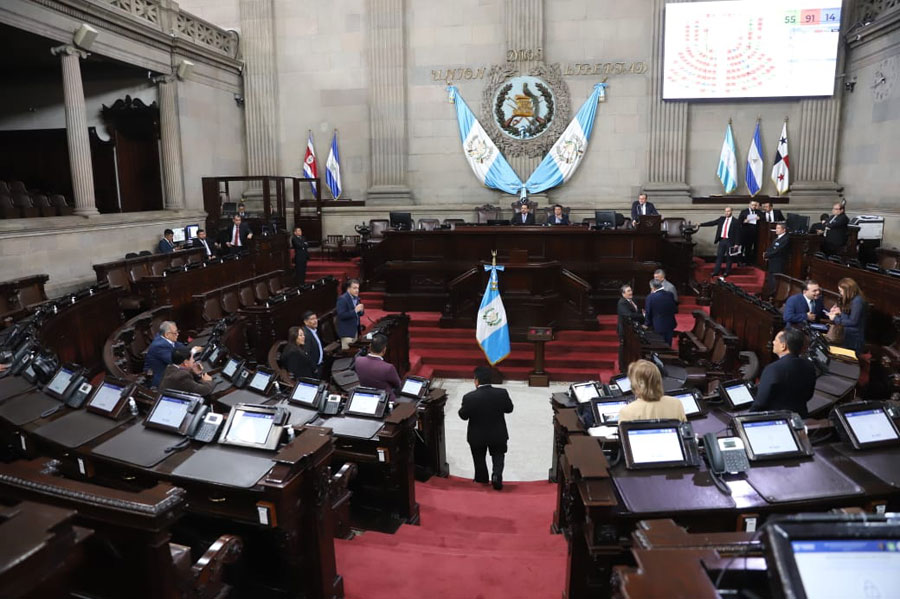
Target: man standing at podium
[(641, 207), (484, 408)]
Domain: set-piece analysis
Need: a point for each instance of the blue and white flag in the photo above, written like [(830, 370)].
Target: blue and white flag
[(333, 169), (564, 157), (727, 170), (492, 330), (484, 157), (754, 173)]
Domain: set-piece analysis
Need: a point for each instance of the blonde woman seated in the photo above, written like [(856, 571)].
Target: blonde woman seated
[(649, 399)]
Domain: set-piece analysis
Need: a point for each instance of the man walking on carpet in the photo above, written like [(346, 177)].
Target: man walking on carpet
[(484, 408)]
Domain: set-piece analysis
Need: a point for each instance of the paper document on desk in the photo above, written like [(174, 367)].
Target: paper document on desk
[(842, 352), (605, 432)]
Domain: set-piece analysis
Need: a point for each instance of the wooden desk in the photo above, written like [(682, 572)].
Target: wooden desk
[(880, 290), (417, 266), (431, 450), (755, 324), (801, 248), (18, 294)]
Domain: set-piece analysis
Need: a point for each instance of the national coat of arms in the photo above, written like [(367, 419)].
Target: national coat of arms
[(524, 107)]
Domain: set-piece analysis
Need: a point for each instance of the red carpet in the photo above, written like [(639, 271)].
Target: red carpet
[(473, 543)]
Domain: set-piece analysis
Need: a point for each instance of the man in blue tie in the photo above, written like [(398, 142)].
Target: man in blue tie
[(804, 307), (349, 309)]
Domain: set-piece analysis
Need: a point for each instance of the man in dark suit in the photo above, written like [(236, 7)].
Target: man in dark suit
[(836, 230), (184, 374), (524, 217), (626, 309), (660, 309), (312, 342), (771, 215), (238, 234), (242, 212), (374, 371), (727, 228), (159, 353), (166, 245), (484, 408), (819, 227), (749, 219), (301, 255), (349, 309), (788, 382), (804, 307), (200, 241), (558, 217), (641, 207), (776, 256)]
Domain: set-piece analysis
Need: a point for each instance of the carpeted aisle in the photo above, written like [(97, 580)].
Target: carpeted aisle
[(473, 543)]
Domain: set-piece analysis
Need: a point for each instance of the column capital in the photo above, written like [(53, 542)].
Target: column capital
[(68, 50), (159, 79)]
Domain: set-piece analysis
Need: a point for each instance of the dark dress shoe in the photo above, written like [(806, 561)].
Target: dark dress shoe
[(497, 481)]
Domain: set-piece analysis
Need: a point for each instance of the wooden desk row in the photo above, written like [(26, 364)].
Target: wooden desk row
[(18, 294), (754, 323), (801, 248), (220, 302)]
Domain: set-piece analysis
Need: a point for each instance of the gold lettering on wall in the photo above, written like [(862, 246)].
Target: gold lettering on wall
[(575, 69)]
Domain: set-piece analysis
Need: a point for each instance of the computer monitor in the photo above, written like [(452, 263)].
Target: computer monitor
[(796, 222), (179, 234), (652, 444), (826, 557), (497, 222), (772, 435), (250, 425), (866, 424), (366, 401), (60, 382), (173, 411), (107, 399), (623, 382), (736, 393), (606, 411), (262, 381), (414, 386), (688, 399), (605, 219), (401, 220), (307, 392), (232, 367), (190, 231), (584, 392)]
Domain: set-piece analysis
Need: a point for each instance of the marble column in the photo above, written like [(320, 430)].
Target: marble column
[(79, 143), (667, 163), (261, 92), (525, 31), (170, 138), (815, 156), (387, 102)]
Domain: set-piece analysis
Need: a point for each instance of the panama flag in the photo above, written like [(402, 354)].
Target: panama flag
[(566, 154), (484, 157), (309, 163), (333, 169), (781, 174), (727, 170), (492, 330), (753, 176)]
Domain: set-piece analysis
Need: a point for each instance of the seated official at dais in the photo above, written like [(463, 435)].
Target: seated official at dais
[(650, 401)]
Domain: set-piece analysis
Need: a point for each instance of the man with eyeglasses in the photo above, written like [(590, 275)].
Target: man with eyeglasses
[(159, 354)]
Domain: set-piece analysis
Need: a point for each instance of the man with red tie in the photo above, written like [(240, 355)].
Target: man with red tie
[(727, 232), (238, 235)]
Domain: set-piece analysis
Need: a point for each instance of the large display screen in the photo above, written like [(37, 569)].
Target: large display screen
[(250, 427), (106, 397), (750, 49), (768, 437), (870, 426), (849, 568), (170, 411), (655, 445)]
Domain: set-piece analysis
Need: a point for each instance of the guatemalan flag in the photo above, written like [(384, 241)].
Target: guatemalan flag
[(484, 158), (727, 170), (566, 154), (781, 168), (754, 173), (309, 162), (333, 169), (492, 330)]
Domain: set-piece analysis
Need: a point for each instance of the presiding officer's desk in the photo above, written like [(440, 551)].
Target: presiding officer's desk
[(277, 502), (601, 503)]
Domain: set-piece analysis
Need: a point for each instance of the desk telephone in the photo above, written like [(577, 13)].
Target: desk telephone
[(726, 454), (242, 377)]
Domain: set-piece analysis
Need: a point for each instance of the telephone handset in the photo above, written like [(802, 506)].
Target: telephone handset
[(207, 430), (726, 454), (331, 404)]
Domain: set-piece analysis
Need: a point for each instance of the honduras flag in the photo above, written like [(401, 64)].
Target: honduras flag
[(566, 154), (333, 169), (754, 173), (484, 157), (727, 170), (492, 330)]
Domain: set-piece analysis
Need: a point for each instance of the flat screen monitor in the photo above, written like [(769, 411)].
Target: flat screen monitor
[(414, 386), (750, 49), (106, 397), (605, 219), (178, 235), (190, 231), (607, 412), (770, 437), (306, 393), (623, 382), (689, 401), (848, 567), (869, 425), (231, 368), (249, 428), (170, 413), (401, 220), (261, 381), (655, 446), (737, 394), (366, 401), (797, 222), (585, 392), (59, 383)]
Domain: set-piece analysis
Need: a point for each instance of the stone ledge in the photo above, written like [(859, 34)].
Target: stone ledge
[(26, 227)]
